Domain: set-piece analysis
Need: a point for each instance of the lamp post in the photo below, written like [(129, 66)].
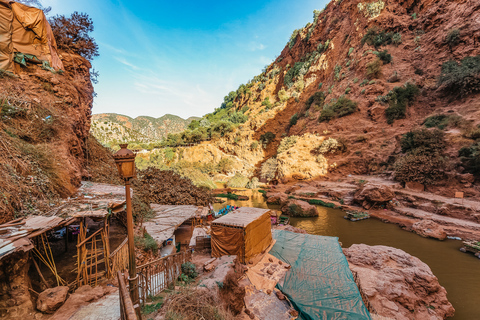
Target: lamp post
[(125, 161)]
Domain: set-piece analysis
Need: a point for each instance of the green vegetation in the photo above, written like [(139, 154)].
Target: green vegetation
[(189, 269), (282, 95), (340, 108), (424, 140), (286, 143), (266, 102), (336, 72), (292, 73), (293, 38), (396, 38), (238, 181), (374, 69), (294, 119), (332, 145), (318, 98), (470, 157), (269, 169), (422, 161), (453, 37), (441, 121), (399, 98), (73, 34), (461, 79), (320, 203), (146, 242), (230, 196), (350, 51), (377, 38), (384, 56), (266, 138)]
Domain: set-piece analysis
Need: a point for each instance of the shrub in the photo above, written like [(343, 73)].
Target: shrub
[(396, 38), (419, 167), (146, 243), (267, 103), (237, 181), (225, 165), (293, 38), (473, 134), (398, 99), (318, 98), (189, 269), (350, 51), (423, 141), (223, 127), (269, 169), (374, 69), (439, 121), (453, 37), (283, 95), (384, 56), (330, 146), (238, 117), (252, 184), (73, 34), (294, 119), (292, 73), (267, 137), (461, 79), (336, 72), (286, 143), (377, 38), (470, 157), (342, 107), (254, 145)]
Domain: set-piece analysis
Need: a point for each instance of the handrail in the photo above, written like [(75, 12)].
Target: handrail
[(127, 311), (119, 247), (160, 259)]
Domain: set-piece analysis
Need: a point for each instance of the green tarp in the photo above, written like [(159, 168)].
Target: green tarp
[(320, 283)]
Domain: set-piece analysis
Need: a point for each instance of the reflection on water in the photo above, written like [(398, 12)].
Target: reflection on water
[(458, 272)]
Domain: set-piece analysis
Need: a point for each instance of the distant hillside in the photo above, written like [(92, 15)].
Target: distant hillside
[(112, 128)]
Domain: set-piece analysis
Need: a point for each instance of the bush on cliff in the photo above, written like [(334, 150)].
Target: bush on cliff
[(424, 140), (398, 100), (73, 34), (460, 79), (470, 157), (342, 107)]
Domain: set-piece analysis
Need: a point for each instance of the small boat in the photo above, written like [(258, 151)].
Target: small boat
[(356, 215)]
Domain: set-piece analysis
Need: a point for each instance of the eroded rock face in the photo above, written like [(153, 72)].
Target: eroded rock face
[(15, 299), (298, 208), (398, 285), (429, 229), (51, 299), (276, 198)]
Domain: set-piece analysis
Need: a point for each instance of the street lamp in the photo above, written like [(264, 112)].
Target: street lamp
[(125, 161)]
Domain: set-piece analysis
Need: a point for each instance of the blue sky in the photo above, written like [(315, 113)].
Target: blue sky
[(182, 57)]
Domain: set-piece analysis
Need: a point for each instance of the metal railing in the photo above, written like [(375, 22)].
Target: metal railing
[(157, 275), (127, 311)]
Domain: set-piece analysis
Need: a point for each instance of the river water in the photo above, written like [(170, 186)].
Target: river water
[(458, 272)]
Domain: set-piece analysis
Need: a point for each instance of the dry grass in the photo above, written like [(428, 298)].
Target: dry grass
[(192, 304)]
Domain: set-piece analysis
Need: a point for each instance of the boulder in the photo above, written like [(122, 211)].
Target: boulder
[(299, 208), (276, 198), (398, 285), (51, 299), (414, 186), (374, 194), (429, 229)]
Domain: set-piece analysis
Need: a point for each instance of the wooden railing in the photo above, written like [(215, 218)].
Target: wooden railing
[(157, 275), (127, 311), (119, 259)]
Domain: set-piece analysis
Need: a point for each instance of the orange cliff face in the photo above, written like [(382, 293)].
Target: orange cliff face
[(45, 125)]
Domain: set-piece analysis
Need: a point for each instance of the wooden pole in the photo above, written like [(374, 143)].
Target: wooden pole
[(132, 268), (40, 273)]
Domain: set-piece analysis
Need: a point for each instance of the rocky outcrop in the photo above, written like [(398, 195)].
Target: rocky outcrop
[(51, 299), (398, 285), (298, 208), (372, 195), (276, 198), (429, 229), (15, 298)]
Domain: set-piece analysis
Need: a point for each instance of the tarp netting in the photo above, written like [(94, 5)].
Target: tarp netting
[(320, 283)]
